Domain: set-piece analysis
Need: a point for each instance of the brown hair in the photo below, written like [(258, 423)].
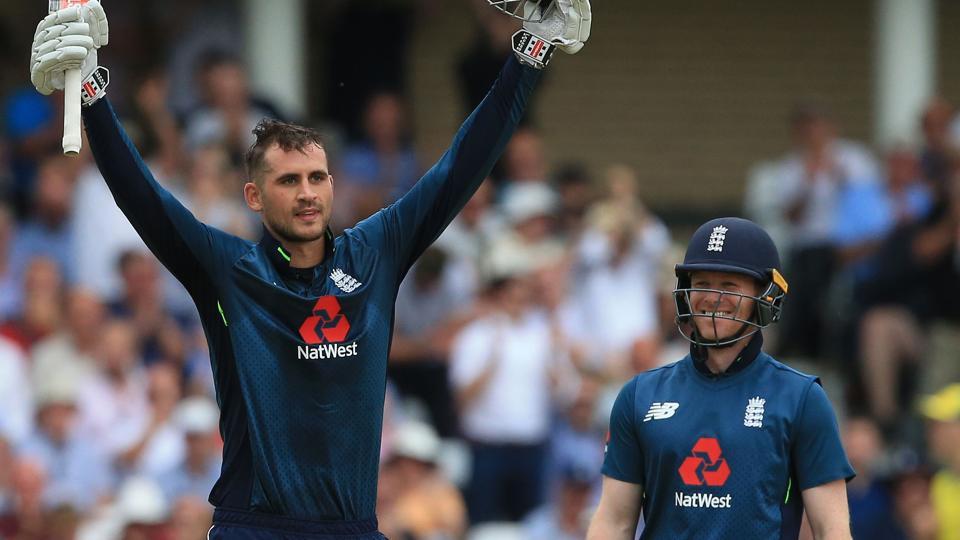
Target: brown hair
[(287, 136)]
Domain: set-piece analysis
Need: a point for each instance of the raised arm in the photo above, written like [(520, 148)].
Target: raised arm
[(417, 219), (69, 39)]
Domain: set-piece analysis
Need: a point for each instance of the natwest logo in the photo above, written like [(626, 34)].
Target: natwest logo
[(705, 466), (326, 324)]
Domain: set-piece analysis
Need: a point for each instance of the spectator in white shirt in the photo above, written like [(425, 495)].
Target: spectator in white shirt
[(16, 407)]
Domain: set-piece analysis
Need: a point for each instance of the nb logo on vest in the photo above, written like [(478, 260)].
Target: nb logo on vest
[(660, 411)]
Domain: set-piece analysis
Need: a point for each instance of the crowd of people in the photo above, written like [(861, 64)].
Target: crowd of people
[(513, 331)]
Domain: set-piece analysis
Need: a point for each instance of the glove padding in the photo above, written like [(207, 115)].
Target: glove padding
[(566, 23), (67, 39)]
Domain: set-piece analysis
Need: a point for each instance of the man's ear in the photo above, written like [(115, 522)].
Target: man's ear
[(252, 195)]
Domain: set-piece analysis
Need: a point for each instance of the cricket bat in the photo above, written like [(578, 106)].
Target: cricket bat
[(71, 93)]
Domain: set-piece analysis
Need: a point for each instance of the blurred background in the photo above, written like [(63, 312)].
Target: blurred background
[(832, 124)]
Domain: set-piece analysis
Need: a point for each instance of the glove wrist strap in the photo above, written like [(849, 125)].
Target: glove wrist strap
[(94, 86), (532, 49)]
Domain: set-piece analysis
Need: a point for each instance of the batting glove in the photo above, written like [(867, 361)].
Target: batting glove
[(561, 24), (69, 39)]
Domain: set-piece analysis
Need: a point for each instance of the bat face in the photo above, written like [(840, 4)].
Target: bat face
[(57, 5)]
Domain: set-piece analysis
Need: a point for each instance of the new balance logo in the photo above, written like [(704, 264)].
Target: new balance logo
[(753, 416), (344, 281), (660, 411), (717, 237)]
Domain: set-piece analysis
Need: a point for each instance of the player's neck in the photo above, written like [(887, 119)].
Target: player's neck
[(719, 359), (305, 254)]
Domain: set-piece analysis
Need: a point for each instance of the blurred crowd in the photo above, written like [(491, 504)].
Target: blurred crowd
[(513, 332)]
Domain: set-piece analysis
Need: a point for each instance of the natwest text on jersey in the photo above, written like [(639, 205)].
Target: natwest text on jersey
[(702, 500), (326, 350)]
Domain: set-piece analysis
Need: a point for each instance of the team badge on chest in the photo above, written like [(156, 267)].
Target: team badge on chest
[(753, 416)]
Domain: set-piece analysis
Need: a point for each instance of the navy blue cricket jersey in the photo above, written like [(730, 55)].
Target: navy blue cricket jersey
[(299, 357), (724, 456)]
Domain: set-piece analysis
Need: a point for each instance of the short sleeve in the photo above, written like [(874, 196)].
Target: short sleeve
[(817, 453), (623, 458)]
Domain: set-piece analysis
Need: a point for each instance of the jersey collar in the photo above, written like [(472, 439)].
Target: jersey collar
[(747, 356), (281, 259)]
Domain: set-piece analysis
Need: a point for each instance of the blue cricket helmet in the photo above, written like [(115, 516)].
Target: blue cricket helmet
[(739, 246)]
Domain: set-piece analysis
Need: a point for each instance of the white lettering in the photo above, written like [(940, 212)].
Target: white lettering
[(325, 351), (702, 500)]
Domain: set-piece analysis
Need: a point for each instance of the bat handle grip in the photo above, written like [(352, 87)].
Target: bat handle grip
[(71, 113)]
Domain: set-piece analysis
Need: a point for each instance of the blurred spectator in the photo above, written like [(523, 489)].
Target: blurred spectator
[(10, 291), (468, 237), (528, 210), (871, 502), (160, 330), (576, 194), (113, 406), (78, 474), (810, 181), (16, 406), (29, 485), (40, 315), (914, 511), (160, 447), (414, 500), (942, 411), (428, 316), (33, 131), (936, 151), (500, 369), (47, 232), (229, 112), (383, 166), (212, 188), (576, 443), (72, 348), (615, 308), (524, 159), (7, 494), (160, 146), (197, 418), (567, 516)]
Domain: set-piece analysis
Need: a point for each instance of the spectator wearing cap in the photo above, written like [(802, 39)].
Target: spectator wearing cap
[(567, 516), (502, 367), (77, 473), (528, 211), (414, 499), (942, 410), (197, 418)]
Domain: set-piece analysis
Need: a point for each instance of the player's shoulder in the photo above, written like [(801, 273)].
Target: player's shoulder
[(656, 377), (785, 374)]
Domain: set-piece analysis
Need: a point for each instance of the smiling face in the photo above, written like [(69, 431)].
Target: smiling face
[(714, 310), (293, 192)]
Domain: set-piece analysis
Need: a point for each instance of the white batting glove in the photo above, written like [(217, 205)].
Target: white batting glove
[(550, 25), (566, 23), (67, 39)]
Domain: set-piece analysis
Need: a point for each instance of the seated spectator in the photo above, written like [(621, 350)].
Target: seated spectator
[(77, 473), (567, 516), (47, 233), (160, 446), (160, 329), (378, 170), (40, 314), (414, 500), (112, 404), (7, 493), (870, 498), (31, 127), (197, 418), (212, 184), (942, 411), (72, 348), (10, 292), (576, 193), (190, 519)]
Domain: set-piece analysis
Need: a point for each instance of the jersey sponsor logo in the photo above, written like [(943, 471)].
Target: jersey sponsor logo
[(717, 238), (325, 351), (705, 465), (753, 416), (702, 500), (326, 324), (660, 411), (344, 281)]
